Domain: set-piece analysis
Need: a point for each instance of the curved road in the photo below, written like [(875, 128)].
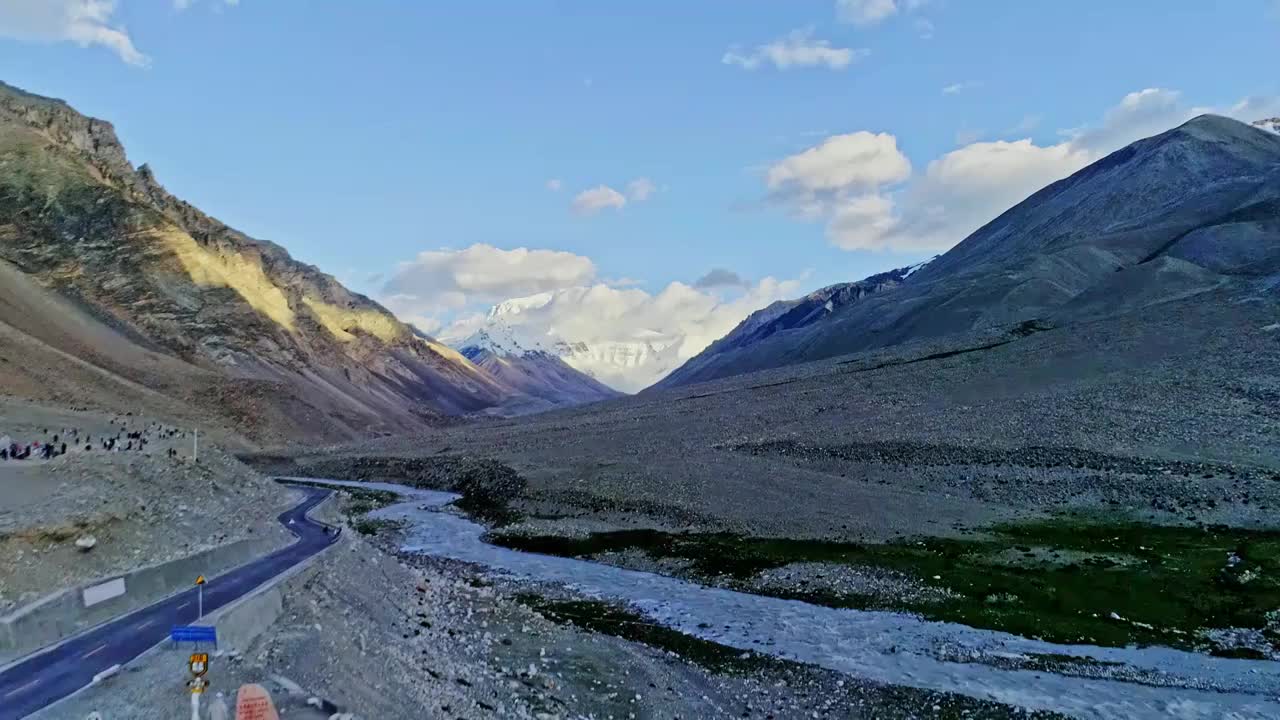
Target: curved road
[(44, 678)]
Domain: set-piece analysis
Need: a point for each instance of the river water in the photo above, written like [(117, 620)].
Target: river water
[(885, 647)]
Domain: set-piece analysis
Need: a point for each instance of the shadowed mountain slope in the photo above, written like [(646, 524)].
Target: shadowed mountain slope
[(1179, 213)]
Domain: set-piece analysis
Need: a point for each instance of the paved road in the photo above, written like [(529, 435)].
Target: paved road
[(51, 675)]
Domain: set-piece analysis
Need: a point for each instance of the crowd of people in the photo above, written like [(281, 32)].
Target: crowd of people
[(55, 442)]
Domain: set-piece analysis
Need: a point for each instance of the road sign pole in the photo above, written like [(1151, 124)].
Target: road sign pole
[(195, 706), (200, 593)]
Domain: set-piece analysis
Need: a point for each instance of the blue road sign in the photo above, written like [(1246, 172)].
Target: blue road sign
[(194, 634)]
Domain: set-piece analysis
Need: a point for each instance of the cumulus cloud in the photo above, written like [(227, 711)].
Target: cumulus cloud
[(841, 166), (672, 325), (796, 49), (590, 202), (958, 193), (438, 282), (860, 186), (719, 277), (603, 197), (865, 12), (83, 22)]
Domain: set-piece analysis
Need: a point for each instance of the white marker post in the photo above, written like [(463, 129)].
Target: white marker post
[(198, 665), (195, 446)]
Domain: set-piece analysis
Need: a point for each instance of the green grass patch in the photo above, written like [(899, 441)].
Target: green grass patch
[(1060, 580), (370, 526)]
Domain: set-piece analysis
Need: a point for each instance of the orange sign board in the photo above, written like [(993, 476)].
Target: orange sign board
[(200, 580), (199, 663), (254, 703)]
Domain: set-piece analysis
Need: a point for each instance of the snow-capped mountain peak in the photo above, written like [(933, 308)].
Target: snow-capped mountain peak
[(501, 339), (517, 306), (1272, 124)]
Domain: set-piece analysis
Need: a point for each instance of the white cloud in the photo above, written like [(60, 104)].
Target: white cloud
[(864, 196), (83, 22), (841, 166), (554, 185), (795, 49), (657, 332), (641, 189), (865, 12), (590, 202), (438, 282), (958, 193), (957, 88), (1256, 108), (1139, 114)]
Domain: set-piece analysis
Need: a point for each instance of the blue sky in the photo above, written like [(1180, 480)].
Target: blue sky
[(360, 134)]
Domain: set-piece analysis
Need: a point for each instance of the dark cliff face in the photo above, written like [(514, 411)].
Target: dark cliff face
[(80, 220), (1190, 209)]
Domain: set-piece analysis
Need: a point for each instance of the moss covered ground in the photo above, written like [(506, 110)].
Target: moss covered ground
[(1062, 580)]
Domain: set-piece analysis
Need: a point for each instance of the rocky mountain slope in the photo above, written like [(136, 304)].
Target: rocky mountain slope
[(532, 369), (1170, 216), (117, 293), (787, 315)]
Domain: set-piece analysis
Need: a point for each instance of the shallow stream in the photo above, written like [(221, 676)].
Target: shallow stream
[(887, 647)]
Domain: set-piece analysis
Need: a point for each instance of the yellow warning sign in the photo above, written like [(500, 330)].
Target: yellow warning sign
[(199, 663), (200, 580)]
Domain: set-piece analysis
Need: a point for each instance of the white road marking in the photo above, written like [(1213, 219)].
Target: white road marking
[(17, 690), (147, 623), (95, 651), (185, 604)]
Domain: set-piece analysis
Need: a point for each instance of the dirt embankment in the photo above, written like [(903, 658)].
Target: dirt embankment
[(138, 507)]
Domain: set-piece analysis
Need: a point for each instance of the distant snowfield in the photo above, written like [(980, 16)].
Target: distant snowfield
[(880, 646)]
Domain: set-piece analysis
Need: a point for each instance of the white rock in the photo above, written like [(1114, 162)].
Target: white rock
[(86, 543)]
